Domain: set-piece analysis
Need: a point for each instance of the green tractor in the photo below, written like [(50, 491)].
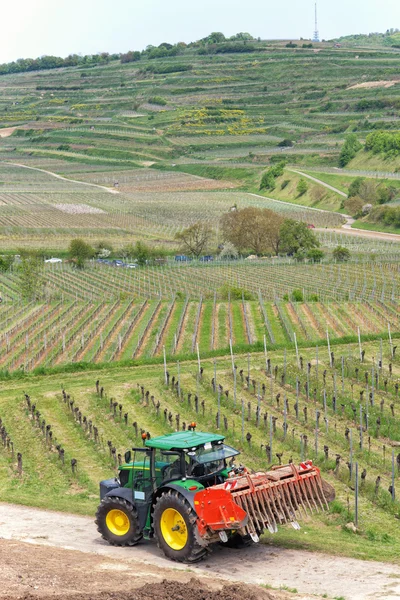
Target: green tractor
[(185, 490)]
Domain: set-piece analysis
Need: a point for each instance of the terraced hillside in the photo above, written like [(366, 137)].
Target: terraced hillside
[(209, 107)]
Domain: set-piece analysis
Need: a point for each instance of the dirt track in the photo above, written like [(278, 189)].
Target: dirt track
[(308, 572)]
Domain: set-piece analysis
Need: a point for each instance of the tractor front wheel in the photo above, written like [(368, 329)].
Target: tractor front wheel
[(175, 528), (117, 521)]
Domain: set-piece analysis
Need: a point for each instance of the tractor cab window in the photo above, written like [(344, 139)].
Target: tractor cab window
[(209, 459), (124, 477), (168, 466)]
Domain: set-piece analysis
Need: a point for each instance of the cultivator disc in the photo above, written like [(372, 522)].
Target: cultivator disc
[(279, 496)]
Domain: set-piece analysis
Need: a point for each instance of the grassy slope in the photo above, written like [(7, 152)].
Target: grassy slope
[(377, 538), (366, 161)]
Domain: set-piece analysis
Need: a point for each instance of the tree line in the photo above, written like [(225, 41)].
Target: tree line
[(163, 50)]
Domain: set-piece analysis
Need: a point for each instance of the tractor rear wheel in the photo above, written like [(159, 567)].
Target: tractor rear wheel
[(175, 528), (117, 521)]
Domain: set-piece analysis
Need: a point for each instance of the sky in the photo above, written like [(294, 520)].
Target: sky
[(32, 28)]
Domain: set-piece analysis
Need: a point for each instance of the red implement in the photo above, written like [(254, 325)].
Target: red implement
[(253, 502)]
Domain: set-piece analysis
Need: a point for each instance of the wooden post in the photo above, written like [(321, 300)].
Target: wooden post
[(297, 350), (393, 490), (198, 357), (390, 340), (356, 498), (329, 348), (265, 353), (234, 388), (232, 359), (270, 438), (165, 365)]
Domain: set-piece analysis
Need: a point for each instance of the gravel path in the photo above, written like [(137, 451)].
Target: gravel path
[(101, 187), (310, 573), (329, 187)]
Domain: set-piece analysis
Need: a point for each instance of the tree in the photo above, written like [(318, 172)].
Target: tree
[(386, 193), (228, 251), (349, 149), (368, 191), (103, 249), (341, 254), (268, 178), (31, 281), (79, 251), (317, 193), (142, 253), (195, 239), (353, 206), (302, 187), (297, 236), (254, 229), (354, 187)]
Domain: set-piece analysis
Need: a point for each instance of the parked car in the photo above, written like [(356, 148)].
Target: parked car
[(53, 260), (131, 266), (183, 258), (207, 258)]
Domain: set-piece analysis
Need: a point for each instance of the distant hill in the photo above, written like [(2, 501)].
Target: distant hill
[(389, 39)]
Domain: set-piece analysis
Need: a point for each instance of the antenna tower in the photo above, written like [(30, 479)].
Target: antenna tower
[(316, 32)]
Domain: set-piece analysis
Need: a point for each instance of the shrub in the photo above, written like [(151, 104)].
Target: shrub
[(315, 254), (341, 254), (158, 100), (286, 143), (285, 183), (349, 149), (302, 187), (235, 293), (297, 296)]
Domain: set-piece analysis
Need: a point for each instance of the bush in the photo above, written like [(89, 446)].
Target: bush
[(297, 296), (158, 100), (315, 254), (349, 149), (341, 254), (302, 187), (286, 143), (285, 183), (268, 178), (354, 206), (354, 187)]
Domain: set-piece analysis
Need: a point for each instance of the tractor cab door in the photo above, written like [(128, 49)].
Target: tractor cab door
[(143, 482)]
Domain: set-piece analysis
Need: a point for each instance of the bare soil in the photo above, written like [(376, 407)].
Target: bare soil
[(29, 572), (64, 552), (374, 84)]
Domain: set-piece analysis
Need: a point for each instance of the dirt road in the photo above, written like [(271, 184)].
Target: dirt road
[(326, 185), (57, 176), (308, 572)]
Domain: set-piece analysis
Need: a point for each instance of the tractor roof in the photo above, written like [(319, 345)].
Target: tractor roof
[(183, 439)]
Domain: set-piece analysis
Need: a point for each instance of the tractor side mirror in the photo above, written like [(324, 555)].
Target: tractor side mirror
[(128, 456)]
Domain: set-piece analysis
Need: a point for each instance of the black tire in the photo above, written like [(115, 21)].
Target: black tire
[(132, 536), (193, 550)]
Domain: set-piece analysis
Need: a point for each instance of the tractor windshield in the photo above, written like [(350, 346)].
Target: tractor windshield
[(210, 459)]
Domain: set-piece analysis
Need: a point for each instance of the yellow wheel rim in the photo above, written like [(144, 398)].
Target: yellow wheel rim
[(117, 522), (173, 529)]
